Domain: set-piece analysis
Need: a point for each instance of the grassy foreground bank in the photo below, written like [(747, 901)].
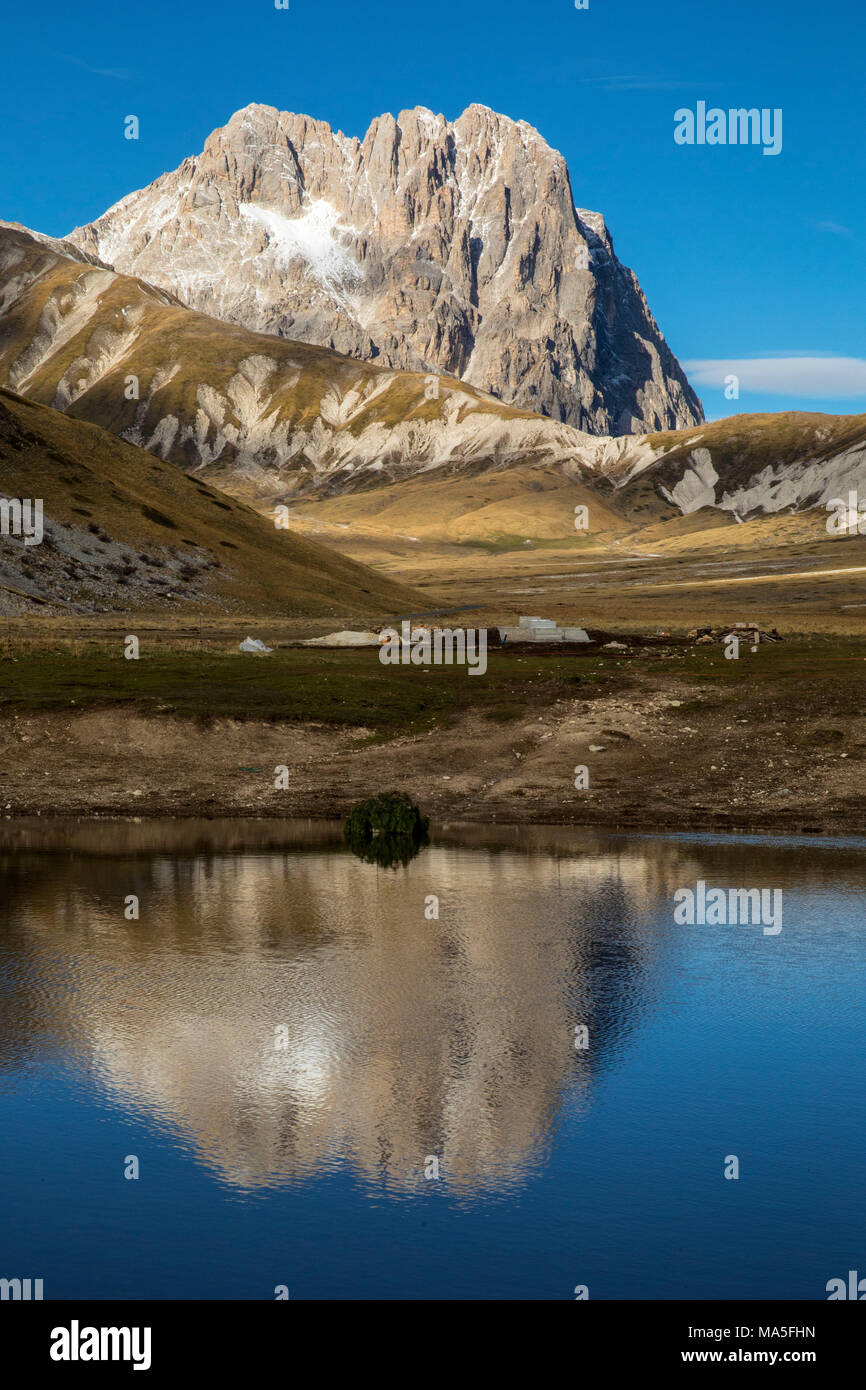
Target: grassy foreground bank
[(672, 737), (353, 688)]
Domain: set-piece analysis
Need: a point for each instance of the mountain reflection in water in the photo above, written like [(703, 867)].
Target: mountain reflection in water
[(403, 1037), (286, 1032)]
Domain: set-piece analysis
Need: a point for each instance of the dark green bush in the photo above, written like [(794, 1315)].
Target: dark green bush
[(387, 830)]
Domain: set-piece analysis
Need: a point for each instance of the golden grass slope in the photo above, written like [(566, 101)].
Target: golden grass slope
[(259, 416), (124, 530), (499, 507)]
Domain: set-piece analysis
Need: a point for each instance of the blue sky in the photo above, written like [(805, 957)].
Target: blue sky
[(745, 258)]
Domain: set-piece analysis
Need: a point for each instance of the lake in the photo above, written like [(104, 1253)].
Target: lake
[(288, 1072)]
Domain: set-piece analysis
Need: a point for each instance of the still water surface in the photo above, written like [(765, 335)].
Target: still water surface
[(284, 1041)]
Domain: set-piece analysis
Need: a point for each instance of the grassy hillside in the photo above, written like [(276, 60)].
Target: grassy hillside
[(746, 444), (124, 530), (496, 507), (259, 416)]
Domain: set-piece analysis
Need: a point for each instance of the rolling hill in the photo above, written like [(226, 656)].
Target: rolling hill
[(270, 421), (124, 530), (261, 417)]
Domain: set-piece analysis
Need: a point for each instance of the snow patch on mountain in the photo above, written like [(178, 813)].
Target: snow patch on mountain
[(310, 237)]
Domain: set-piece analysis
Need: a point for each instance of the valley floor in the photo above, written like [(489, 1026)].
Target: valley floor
[(682, 739)]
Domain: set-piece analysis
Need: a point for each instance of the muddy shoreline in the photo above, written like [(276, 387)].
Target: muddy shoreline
[(653, 766)]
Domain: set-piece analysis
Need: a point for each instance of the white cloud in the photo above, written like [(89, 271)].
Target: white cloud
[(123, 74), (812, 377), (836, 228), (633, 82)]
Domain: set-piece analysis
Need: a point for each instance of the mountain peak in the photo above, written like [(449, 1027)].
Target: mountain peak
[(428, 245)]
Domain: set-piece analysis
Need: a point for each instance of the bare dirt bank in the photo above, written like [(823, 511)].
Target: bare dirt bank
[(658, 758)]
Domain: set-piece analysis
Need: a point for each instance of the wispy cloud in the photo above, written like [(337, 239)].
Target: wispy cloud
[(835, 228), (807, 377), (122, 74), (637, 83)]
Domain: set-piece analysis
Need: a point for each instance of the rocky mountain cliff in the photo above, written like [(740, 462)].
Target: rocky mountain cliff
[(429, 246)]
